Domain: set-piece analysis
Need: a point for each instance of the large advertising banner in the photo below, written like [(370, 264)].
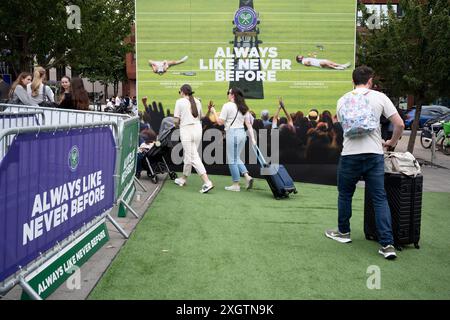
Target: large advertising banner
[(51, 184), (300, 51), (303, 51)]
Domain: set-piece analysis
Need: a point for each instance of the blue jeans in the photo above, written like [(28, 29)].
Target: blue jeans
[(139, 159), (235, 143), (370, 166)]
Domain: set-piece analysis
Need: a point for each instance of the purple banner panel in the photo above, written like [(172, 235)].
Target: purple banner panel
[(50, 185)]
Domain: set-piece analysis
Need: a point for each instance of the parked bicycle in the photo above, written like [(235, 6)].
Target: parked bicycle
[(436, 126)]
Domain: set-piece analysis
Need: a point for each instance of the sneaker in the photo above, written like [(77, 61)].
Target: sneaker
[(340, 237), (233, 188), (180, 181), (206, 187), (249, 183), (346, 65), (388, 252)]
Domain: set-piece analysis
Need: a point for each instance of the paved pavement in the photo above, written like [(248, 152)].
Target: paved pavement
[(436, 172), (436, 175)]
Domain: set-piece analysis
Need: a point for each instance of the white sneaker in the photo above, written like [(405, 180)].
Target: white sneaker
[(180, 181), (249, 183), (346, 65), (233, 188), (206, 187), (183, 59)]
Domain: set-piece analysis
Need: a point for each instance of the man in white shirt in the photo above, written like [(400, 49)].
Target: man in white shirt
[(160, 67), (321, 63), (363, 156)]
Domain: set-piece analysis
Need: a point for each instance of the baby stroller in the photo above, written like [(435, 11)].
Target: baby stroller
[(155, 159)]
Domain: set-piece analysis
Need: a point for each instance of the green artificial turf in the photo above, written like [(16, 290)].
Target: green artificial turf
[(170, 30), (247, 245)]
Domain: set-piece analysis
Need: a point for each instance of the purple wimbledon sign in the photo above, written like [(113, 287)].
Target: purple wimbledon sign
[(50, 185)]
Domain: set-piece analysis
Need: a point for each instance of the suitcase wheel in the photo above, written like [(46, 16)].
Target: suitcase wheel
[(416, 245)]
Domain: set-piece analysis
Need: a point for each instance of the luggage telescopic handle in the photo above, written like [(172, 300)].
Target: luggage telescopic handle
[(259, 156)]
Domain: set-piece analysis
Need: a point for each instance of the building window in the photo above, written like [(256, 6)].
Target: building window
[(60, 72), (379, 14)]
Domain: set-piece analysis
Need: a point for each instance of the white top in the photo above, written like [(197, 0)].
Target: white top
[(40, 97), (371, 143), (183, 112), (228, 113), (313, 62), (161, 66)]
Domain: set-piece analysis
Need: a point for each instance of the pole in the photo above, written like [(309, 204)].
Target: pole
[(433, 145)]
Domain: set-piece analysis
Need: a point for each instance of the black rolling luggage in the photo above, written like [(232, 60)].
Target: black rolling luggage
[(279, 180), (404, 194)]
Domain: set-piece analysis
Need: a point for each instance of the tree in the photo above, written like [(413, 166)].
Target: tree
[(37, 31), (410, 54)]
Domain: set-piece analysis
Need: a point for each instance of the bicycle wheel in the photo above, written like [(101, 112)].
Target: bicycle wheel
[(445, 146), (425, 139)]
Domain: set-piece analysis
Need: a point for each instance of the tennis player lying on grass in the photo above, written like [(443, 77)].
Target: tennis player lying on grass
[(321, 63), (161, 67)]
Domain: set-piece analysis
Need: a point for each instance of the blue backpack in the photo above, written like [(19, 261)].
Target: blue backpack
[(356, 115)]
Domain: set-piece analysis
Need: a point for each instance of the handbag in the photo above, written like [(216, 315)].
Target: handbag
[(46, 103), (401, 162)]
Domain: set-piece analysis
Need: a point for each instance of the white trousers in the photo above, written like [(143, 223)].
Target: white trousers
[(191, 137)]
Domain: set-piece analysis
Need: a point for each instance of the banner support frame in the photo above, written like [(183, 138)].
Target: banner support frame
[(140, 184), (117, 226)]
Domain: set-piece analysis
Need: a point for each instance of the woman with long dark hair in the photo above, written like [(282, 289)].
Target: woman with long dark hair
[(187, 115), (235, 113), (18, 93), (78, 98), (64, 94)]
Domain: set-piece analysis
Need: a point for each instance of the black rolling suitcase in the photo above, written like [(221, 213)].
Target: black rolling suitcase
[(404, 194), (280, 182)]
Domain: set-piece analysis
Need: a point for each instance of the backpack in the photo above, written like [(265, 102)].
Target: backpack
[(356, 115)]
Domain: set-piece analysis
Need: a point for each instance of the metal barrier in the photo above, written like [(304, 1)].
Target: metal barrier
[(21, 119), (18, 119), (26, 254), (56, 116), (126, 165)]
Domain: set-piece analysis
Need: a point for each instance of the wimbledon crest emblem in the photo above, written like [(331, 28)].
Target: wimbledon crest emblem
[(74, 158), (245, 19)]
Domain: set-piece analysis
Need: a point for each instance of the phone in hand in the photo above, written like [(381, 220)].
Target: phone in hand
[(280, 101), (210, 105)]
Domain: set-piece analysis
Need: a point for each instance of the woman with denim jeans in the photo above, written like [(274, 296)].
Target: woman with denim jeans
[(234, 115)]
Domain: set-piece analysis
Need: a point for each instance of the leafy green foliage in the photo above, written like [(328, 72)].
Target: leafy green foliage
[(36, 32), (410, 53)]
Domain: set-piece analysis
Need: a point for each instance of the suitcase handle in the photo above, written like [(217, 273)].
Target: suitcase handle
[(259, 156)]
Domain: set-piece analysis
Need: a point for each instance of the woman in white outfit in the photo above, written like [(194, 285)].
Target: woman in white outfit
[(234, 115), (187, 115)]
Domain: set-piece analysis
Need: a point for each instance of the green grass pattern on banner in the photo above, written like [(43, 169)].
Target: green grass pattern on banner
[(169, 30)]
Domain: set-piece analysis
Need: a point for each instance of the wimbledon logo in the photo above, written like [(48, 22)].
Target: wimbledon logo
[(245, 19), (74, 158)]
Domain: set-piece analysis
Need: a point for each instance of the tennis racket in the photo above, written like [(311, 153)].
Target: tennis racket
[(187, 73)]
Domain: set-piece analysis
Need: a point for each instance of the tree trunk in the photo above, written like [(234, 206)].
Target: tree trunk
[(105, 92), (415, 125), (116, 88)]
